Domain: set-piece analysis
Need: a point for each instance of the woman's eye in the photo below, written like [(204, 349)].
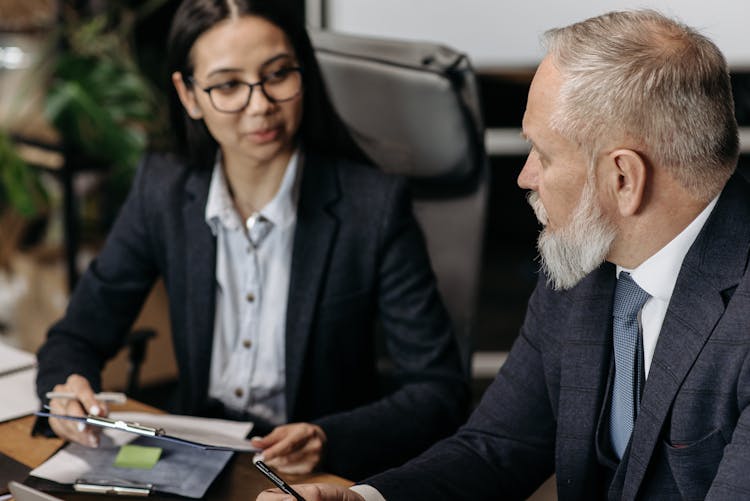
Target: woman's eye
[(277, 75), (226, 87)]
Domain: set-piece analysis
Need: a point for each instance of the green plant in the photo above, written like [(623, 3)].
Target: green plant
[(22, 198), (104, 108), (20, 188), (99, 99)]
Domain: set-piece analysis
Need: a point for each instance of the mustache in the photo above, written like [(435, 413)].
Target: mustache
[(532, 197)]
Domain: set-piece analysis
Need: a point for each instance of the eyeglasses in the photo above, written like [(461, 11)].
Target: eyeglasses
[(234, 96)]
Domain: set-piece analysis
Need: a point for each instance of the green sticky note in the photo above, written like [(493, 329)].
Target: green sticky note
[(137, 456)]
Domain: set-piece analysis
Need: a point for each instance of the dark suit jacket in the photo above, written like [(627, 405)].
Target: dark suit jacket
[(358, 258), (540, 416)]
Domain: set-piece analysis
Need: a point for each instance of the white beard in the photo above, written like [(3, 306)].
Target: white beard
[(570, 253)]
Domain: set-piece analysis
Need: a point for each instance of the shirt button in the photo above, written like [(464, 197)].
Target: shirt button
[(250, 297), (238, 392), (247, 343)]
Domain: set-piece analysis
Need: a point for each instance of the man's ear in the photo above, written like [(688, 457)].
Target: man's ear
[(628, 173), (187, 96)]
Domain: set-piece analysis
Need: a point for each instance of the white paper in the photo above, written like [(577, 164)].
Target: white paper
[(13, 359), (215, 432), (18, 392), (63, 467)]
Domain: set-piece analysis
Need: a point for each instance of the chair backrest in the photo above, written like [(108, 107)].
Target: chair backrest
[(413, 107)]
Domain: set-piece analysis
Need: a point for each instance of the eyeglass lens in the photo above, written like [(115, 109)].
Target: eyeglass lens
[(281, 85)]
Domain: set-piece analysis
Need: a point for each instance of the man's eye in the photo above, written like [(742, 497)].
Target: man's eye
[(542, 160)]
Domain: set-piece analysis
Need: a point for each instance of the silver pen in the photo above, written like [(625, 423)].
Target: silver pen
[(120, 488), (105, 396), (104, 422), (124, 426)]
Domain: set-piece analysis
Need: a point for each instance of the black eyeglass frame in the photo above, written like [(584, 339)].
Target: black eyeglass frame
[(260, 83)]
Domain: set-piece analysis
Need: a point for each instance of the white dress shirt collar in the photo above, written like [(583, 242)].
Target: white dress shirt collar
[(657, 275), (280, 210)]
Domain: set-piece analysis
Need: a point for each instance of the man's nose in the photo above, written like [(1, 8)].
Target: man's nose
[(528, 177)]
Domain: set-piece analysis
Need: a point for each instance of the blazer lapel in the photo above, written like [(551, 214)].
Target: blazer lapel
[(314, 236), (583, 377), (714, 265), (200, 294)]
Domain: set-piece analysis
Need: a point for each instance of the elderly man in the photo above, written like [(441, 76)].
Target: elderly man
[(631, 375)]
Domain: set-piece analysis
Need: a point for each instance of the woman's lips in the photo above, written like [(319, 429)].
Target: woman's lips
[(265, 135)]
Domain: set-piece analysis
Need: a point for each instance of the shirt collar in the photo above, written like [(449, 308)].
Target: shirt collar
[(219, 206), (658, 274), (280, 210)]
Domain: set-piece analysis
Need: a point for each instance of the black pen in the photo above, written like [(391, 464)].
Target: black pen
[(277, 480)]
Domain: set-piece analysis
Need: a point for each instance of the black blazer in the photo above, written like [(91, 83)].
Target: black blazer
[(541, 414), (359, 264)]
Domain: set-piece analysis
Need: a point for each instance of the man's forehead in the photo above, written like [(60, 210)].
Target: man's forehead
[(545, 86), (543, 95)]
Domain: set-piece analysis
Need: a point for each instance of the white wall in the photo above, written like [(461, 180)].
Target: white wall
[(505, 33)]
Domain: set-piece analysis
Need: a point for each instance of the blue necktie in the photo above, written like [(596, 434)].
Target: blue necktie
[(626, 391)]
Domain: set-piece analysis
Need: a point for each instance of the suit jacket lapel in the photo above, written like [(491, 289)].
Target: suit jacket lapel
[(583, 376), (200, 294), (314, 235), (713, 266)]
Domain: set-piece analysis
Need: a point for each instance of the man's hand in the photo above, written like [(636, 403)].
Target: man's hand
[(84, 403), (312, 492), (295, 448)]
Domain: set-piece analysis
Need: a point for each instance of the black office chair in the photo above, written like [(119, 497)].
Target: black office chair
[(414, 109), (136, 343)]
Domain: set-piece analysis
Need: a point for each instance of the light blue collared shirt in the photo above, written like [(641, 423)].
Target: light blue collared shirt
[(247, 362)]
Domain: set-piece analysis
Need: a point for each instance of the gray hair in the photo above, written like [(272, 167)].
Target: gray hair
[(642, 78)]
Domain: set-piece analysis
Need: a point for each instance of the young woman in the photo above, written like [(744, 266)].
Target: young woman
[(283, 255)]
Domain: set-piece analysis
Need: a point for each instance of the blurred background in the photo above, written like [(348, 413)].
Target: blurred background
[(82, 96)]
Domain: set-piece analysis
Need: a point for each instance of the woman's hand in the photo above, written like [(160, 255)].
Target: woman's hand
[(295, 448), (84, 403)]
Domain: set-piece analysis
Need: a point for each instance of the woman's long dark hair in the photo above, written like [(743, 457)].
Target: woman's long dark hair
[(321, 129)]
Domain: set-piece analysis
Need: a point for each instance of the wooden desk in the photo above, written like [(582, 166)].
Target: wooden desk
[(239, 480)]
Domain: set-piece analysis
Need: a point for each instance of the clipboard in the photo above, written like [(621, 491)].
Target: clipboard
[(185, 468), (149, 431)]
